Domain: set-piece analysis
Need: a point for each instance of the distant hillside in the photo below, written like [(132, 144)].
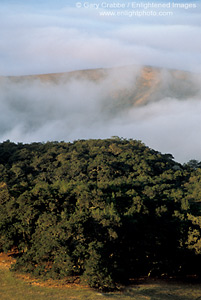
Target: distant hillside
[(150, 104), (130, 86)]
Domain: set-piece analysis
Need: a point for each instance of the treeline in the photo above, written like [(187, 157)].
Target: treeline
[(101, 210)]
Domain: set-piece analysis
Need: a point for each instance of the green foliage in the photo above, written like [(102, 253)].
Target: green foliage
[(8, 220), (96, 272), (104, 210)]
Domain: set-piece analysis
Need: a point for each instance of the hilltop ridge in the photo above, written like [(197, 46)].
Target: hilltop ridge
[(130, 85)]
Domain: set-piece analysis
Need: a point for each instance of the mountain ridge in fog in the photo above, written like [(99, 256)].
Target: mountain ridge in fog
[(160, 107), (145, 84)]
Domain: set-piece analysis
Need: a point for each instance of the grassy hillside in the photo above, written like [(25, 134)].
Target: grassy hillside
[(14, 288), (124, 86)]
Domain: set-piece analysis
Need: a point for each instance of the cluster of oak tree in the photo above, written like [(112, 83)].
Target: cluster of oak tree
[(103, 211)]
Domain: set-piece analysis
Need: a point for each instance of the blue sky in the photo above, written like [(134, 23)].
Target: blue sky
[(54, 36)]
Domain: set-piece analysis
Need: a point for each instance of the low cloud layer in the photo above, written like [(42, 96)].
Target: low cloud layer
[(82, 109), (45, 37)]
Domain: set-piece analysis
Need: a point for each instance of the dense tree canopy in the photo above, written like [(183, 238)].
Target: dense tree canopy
[(103, 210)]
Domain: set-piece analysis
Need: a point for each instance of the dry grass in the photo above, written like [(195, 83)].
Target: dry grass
[(19, 287)]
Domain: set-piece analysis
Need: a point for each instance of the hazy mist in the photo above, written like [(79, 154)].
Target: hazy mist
[(79, 108)]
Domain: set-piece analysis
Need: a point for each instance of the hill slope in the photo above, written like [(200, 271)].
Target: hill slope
[(154, 105), (103, 211), (130, 86)]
